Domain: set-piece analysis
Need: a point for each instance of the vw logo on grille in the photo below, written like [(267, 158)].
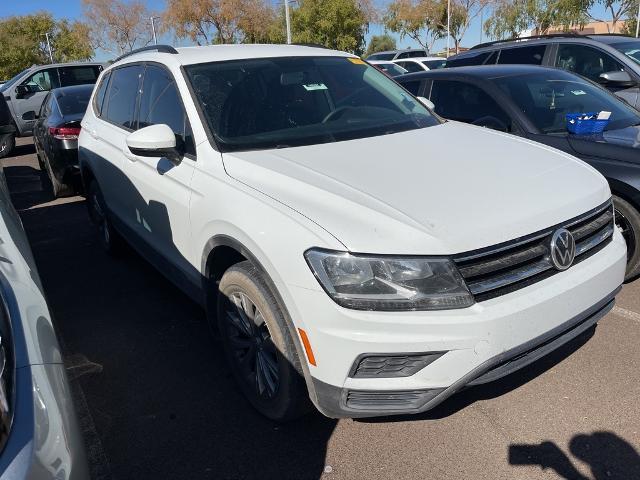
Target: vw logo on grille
[(563, 249)]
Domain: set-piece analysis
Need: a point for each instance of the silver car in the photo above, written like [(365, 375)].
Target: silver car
[(39, 434)]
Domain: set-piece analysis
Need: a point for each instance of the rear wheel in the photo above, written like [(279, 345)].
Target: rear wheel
[(628, 221), (110, 239), (258, 345), (7, 144)]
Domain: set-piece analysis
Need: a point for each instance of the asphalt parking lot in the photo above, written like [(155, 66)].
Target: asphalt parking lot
[(156, 401)]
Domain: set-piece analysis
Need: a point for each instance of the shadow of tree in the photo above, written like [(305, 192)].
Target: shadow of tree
[(608, 456)]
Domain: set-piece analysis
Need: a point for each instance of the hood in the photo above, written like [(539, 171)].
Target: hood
[(445, 189), (622, 144)]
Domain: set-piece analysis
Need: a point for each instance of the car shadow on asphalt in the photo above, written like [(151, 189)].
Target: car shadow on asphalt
[(159, 399), (608, 457)]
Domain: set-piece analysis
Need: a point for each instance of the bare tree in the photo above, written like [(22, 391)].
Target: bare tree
[(118, 26)]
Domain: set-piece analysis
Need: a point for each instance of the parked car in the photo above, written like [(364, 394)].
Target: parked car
[(421, 64), (40, 438), (390, 68), (611, 60), (389, 55), (26, 91), (7, 129), (348, 246), (55, 136), (532, 102)]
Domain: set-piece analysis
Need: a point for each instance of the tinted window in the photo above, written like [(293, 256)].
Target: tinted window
[(43, 81), (381, 56), (630, 49), (79, 75), (546, 98), (434, 64), (390, 69), (45, 109), (160, 103), (465, 103), (287, 101), (413, 86), (412, 54), (531, 55), (586, 61), (73, 102), (468, 59), (122, 95), (411, 67), (102, 90)]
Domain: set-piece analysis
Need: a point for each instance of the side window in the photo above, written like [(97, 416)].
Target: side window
[(531, 55), (468, 59), (45, 109), (586, 61), (98, 100), (120, 104), (413, 86), (78, 75), (467, 103), (43, 80), (160, 103), (411, 66)]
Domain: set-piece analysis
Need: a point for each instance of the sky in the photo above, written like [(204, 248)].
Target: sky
[(72, 9)]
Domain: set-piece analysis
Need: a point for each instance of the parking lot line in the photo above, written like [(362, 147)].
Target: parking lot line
[(629, 314)]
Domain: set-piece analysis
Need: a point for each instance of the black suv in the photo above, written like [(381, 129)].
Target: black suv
[(611, 60)]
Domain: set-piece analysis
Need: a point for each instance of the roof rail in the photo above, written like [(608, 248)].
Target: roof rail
[(524, 39), (157, 48)]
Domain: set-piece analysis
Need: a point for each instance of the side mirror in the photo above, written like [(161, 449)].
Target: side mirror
[(427, 103), (22, 91), (30, 115), (617, 78), (154, 141)]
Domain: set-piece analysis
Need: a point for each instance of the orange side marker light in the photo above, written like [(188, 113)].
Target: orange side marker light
[(307, 347)]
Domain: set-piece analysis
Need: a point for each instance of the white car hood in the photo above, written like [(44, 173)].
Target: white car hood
[(445, 189)]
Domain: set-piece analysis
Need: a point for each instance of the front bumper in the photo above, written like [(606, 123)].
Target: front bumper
[(482, 343)]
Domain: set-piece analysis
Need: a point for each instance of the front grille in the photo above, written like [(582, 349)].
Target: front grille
[(510, 266), (395, 400)]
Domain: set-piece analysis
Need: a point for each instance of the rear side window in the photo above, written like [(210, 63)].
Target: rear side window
[(98, 100), (413, 54), (79, 75), (465, 102), (531, 55), (413, 86), (468, 60), (411, 66), (160, 103), (121, 98)]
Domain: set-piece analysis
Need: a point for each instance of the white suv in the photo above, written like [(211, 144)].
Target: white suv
[(349, 246)]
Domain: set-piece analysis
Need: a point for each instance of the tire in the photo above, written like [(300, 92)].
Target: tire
[(58, 189), (628, 220), (258, 345), (110, 239), (7, 144)]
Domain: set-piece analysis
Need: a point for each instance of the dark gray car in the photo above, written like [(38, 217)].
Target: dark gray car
[(610, 60)]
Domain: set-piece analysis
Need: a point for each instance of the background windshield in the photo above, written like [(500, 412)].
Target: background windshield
[(546, 98), (74, 101), (434, 64), (630, 49), (12, 81), (282, 102)]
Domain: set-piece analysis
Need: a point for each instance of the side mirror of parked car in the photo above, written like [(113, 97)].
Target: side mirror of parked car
[(427, 103), (30, 115), (617, 78), (155, 141)]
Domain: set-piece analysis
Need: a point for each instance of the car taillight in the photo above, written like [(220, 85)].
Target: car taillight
[(64, 133)]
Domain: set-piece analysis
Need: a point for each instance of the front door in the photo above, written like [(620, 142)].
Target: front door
[(39, 83)]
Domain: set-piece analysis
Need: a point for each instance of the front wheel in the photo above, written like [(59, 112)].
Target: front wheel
[(7, 144), (258, 345), (628, 221)]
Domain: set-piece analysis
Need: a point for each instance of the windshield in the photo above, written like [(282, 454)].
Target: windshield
[(545, 98), (630, 49), (13, 80), (73, 102), (434, 64), (293, 101)]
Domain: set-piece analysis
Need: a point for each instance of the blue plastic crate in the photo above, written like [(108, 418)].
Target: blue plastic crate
[(585, 127)]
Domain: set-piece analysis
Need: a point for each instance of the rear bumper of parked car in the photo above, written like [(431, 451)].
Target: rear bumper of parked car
[(474, 345)]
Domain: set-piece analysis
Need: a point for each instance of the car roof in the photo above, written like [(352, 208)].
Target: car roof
[(217, 53), (88, 87), (484, 71), (400, 51), (418, 59), (68, 64)]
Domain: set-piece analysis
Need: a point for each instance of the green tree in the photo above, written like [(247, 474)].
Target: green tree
[(339, 24), (380, 43), (420, 20), (24, 43)]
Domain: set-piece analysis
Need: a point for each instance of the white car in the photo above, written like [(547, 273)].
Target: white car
[(421, 64), (350, 247), (389, 68)]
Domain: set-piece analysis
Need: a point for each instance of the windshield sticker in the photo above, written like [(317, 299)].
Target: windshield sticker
[(578, 92), (357, 61), (315, 86)]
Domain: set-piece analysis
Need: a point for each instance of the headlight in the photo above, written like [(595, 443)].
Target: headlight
[(366, 282)]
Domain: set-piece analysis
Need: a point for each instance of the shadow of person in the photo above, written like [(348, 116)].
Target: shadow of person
[(608, 456)]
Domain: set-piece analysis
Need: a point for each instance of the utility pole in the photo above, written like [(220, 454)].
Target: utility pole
[(638, 21), (49, 47), (481, 23), (448, 26), (153, 29), (286, 14)]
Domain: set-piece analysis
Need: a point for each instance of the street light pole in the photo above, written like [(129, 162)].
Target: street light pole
[(49, 47), (638, 21), (286, 14), (448, 26), (153, 29)]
